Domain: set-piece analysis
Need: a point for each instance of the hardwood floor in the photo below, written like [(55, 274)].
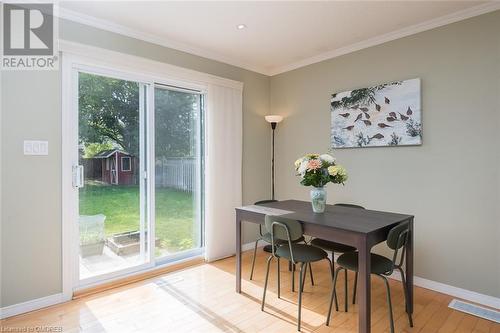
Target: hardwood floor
[(202, 299)]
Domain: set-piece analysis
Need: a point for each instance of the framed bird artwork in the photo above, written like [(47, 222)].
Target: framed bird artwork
[(388, 114)]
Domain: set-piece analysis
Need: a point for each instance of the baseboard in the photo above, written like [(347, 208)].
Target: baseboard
[(250, 246), (464, 294), (20, 308)]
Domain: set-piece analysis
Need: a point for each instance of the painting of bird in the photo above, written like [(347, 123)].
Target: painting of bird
[(386, 114), (377, 136)]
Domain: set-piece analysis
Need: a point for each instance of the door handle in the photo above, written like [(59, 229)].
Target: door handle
[(78, 176)]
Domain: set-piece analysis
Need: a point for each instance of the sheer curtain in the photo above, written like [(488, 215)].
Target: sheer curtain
[(223, 158)]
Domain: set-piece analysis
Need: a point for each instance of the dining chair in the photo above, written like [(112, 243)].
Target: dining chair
[(380, 266), (287, 231), (266, 237), (335, 247)]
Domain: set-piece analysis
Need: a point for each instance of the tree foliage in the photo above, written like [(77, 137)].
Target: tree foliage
[(109, 112), (109, 117)]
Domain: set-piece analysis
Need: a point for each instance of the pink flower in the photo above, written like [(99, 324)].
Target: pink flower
[(314, 164)]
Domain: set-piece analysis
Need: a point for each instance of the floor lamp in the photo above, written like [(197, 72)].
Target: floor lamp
[(273, 120)]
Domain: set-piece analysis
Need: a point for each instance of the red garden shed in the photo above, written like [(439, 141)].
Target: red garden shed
[(118, 167)]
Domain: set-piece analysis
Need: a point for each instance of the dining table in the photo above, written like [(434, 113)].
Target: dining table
[(360, 228)]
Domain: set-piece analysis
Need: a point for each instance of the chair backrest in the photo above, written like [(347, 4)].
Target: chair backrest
[(398, 235), (261, 202), (397, 239), (283, 228), (349, 205)]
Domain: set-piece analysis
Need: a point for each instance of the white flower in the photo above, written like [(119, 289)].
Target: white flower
[(303, 168), (298, 163), (327, 158)]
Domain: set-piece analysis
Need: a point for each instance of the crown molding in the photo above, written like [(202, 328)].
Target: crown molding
[(397, 34), (155, 39)]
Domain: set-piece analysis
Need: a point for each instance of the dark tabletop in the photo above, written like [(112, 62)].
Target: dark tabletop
[(346, 218)]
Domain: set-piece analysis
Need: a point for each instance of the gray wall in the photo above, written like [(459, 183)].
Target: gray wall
[(31, 186), (451, 182)]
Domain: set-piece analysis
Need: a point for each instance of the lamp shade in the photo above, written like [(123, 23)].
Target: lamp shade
[(274, 118)]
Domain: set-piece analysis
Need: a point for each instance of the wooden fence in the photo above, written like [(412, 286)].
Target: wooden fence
[(177, 173)]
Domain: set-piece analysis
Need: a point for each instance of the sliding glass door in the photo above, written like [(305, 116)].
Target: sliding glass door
[(178, 176), (137, 173), (112, 220)]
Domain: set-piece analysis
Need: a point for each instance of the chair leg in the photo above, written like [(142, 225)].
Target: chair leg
[(346, 293), (311, 274), (304, 276), (278, 277), (253, 260), (405, 290), (389, 302), (265, 283), (334, 296), (355, 288), (301, 286), (333, 275), (293, 278)]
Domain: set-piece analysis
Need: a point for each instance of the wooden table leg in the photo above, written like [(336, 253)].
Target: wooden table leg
[(238, 254), (364, 287), (409, 267)]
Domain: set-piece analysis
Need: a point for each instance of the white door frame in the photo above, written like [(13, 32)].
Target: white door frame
[(104, 62)]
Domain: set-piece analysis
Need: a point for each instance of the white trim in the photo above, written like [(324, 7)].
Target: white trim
[(387, 37), (19, 308), (464, 294), (162, 41), (155, 39), (159, 72), (129, 163)]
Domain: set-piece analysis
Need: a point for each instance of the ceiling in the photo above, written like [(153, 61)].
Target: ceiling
[(279, 35)]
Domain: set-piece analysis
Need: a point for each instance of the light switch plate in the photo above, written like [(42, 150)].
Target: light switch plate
[(32, 147)]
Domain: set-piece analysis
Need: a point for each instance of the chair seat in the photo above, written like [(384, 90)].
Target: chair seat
[(332, 246), (379, 264), (267, 237), (301, 253)]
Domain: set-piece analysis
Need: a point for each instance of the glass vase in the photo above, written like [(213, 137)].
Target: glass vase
[(318, 199)]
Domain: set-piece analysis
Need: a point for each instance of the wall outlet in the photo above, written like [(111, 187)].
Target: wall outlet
[(32, 147)]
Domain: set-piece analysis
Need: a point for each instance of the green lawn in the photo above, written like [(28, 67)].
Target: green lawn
[(175, 223)]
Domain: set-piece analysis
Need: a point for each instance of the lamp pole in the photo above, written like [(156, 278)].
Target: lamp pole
[(273, 126), (273, 120)]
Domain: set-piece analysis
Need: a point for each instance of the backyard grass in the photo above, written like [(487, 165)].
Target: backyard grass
[(176, 225)]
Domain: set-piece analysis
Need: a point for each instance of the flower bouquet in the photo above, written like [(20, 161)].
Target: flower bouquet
[(317, 171)]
